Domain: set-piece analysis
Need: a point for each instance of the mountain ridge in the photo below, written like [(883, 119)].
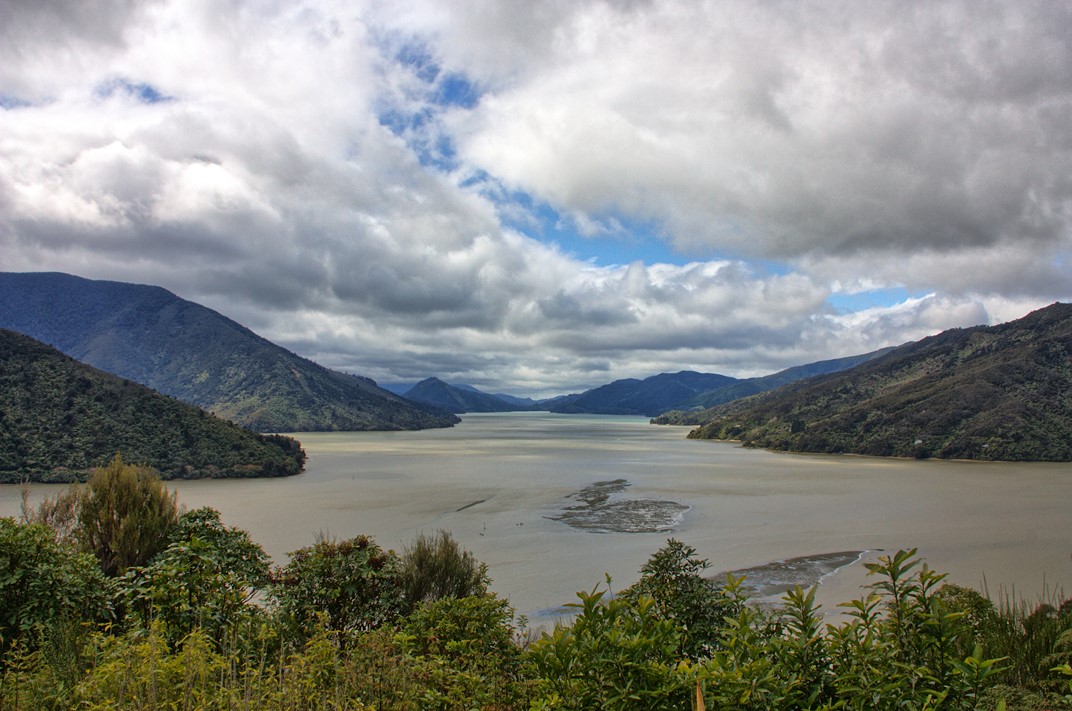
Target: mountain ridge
[(60, 418), (458, 398), (985, 392), (180, 348)]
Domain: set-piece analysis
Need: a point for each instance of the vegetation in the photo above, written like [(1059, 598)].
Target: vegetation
[(992, 393), (346, 586), (436, 567), (123, 515), (675, 398), (336, 631), (182, 349), (60, 419), (436, 393)]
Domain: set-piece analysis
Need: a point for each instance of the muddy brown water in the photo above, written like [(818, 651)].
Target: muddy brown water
[(505, 485)]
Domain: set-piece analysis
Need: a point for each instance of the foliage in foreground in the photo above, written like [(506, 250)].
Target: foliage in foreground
[(337, 631)]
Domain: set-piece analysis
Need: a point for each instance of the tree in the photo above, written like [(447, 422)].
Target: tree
[(205, 578), (617, 654), (124, 514), (673, 579), (436, 567), (354, 584), (44, 583)]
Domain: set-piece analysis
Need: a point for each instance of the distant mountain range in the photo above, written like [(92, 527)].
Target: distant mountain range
[(182, 349), (688, 390), (685, 393), (59, 418), (989, 392), (648, 397), (462, 398)]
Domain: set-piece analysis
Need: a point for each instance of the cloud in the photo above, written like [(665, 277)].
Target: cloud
[(368, 183), (810, 130)]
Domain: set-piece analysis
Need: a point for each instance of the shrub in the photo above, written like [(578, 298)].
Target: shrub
[(673, 579), (436, 567), (205, 579), (353, 585), (617, 654), (124, 515), (44, 585)]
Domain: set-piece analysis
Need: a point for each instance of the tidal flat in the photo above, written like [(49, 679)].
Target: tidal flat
[(519, 488)]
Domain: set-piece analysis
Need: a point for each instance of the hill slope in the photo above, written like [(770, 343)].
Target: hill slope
[(999, 392), (59, 418), (457, 398), (182, 349), (753, 386), (649, 397)]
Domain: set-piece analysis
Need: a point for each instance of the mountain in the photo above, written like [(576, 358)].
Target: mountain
[(649, 397), (59, 418), (182, 349), (695, 414), (458, 398), (987, 392)]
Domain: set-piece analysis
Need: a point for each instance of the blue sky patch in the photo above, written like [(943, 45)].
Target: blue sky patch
[(140, 91), (624, 241), (456, 90), (12, 102), (850, 303), (437, 91)]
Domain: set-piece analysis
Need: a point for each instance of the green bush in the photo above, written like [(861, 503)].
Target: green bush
[(350, 586), (44, 585), (617, 654), (436, 567), (205, 579), (124, 516), (673, 579)]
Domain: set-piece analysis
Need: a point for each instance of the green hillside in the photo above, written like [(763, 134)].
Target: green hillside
[(996, 393), (434, 392), (649, 397), (182, 349), (697, 414), (59, 418)]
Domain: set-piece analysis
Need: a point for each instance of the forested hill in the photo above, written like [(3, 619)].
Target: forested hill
[(696, 414), (59, 418), (460, 399), (989, 392), (649, 397), (182, 349)]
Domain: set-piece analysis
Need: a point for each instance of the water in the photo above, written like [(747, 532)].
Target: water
[(497, 481)]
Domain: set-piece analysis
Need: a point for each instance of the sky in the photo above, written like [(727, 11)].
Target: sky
[(542, 196)]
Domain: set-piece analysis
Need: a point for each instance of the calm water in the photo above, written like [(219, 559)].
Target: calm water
[(1009, 525)]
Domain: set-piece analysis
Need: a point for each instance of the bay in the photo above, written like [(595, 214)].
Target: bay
[(501, 483)]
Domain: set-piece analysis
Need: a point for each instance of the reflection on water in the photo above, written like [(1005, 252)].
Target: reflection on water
[(497, 480)]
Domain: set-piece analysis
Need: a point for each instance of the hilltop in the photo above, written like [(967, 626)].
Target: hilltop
[(987, 392), (650, 396), (696, 414), (687, 392), (459, 398), (59, 418), (151, 336)]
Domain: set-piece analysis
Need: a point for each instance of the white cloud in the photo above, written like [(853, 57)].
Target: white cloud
[(235, 154)]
